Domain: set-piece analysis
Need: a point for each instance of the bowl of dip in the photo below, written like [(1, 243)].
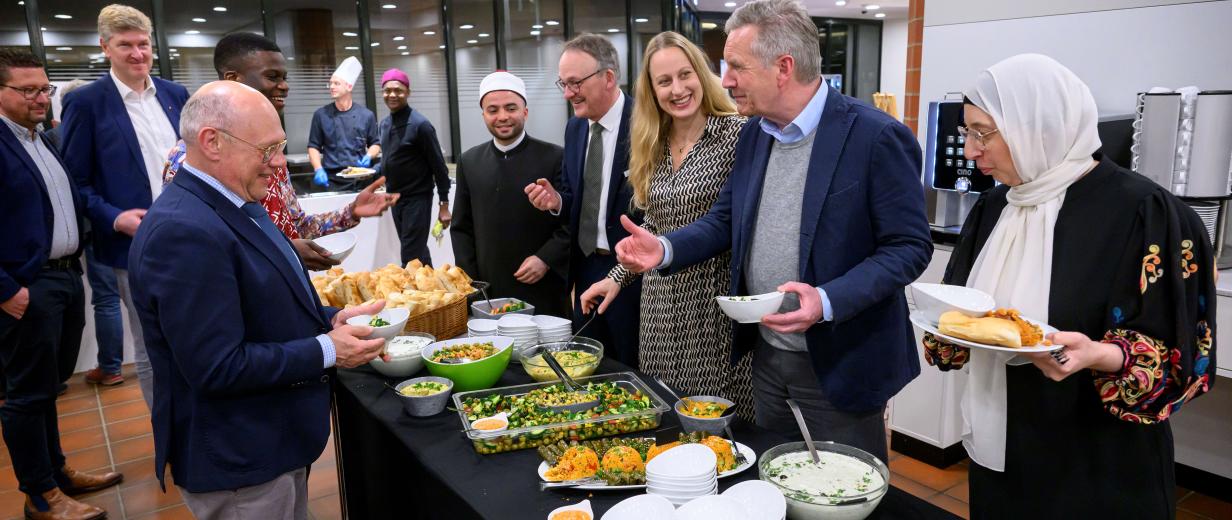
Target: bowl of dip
[(405, 355), (424, 396), (847, 484)]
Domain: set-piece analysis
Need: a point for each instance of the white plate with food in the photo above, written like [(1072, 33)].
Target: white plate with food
[(750, 457), (992, 332), (356, 172)]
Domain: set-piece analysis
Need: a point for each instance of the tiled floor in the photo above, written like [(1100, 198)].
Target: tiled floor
[(104, 428), (108, 428)]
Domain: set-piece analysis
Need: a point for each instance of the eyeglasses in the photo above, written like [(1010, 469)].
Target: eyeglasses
[(32, 93), (980, 137), (267, 152), (575, 86)]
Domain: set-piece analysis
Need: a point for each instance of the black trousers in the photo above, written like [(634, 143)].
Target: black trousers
[(31, 349), (413, 218), (618, 327)]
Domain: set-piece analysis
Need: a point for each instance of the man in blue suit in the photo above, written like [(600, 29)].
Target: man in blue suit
[(824, 204), (117, 132), (239, 342), (41, 295), (594, 190)]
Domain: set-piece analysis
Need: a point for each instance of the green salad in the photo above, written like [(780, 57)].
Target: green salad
[(377, 321)]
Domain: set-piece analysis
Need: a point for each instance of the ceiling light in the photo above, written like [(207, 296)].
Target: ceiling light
[(399, 38), (406, 54), (194, 31), (441, 47), (840, 3), (64, 16), (401, 47), (872, 7), (535, 33), (199, 20), (880, 15), (43, 28), (729, 4), (613, 30), (641, 20), (57, 60), (23, 2), (376, 44), (429, 33), (466, 26), (64, 48), (709, 26), (351, 34), (220, 9), (174, 50), (484, 35), (552, 22), (537, 26), (351, 48), (389, 6), (472, 41)]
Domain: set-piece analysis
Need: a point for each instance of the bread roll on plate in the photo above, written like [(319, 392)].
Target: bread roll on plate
[(1002, 327)]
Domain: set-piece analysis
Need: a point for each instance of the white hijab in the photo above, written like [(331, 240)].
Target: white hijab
[(1047, 117)]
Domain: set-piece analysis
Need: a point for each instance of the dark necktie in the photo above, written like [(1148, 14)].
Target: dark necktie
[(257, 213), (592, 192)]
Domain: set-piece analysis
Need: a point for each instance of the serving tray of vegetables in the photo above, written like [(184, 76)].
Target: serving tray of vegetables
[(626, 404)]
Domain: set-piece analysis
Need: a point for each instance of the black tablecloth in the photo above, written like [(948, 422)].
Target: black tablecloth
[(392, 465)]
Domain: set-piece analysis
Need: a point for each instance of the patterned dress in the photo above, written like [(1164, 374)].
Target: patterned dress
[(282, 204), (685, 338)]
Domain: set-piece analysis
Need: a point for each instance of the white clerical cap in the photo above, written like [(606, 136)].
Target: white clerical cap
[(349, 70), (502, 80)]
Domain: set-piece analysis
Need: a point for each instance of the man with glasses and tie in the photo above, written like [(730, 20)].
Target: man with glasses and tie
[(594, 191), (42, 301), (240, 345)]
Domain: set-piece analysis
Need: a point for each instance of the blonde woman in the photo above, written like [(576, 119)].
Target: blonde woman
[(683, 145)]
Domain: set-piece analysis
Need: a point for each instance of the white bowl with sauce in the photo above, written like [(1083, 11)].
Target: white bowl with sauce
[(859, 480), (494, 423)]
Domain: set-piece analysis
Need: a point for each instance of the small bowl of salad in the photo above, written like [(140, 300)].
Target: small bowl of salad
[(471, 363), (499, 307), (750, 309), (704, 413), (424, 396), (385, 324)]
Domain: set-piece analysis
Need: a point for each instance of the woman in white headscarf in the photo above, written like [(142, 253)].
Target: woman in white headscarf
[(1102, 253)]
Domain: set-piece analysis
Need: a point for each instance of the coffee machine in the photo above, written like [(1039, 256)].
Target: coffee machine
[(952, 182)]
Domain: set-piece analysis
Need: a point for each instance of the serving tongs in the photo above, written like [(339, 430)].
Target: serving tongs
[(588, 481), (740, 458), (591, 400)]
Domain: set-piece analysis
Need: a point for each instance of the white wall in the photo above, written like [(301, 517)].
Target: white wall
[(894, 61)]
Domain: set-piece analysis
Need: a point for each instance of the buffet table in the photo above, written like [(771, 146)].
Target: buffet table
[(391, 465)]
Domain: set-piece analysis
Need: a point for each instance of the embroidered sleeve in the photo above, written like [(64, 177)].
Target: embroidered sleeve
[(175, 158), (943, 355), (1150, 385), (317, 224)]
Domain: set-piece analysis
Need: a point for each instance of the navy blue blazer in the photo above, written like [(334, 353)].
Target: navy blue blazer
[(100, 149), (25, 210), (619, 193), (240, 395), (863, 237)]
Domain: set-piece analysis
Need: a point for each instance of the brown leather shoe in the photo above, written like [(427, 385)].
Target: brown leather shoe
[(61, 507), (81, 482)]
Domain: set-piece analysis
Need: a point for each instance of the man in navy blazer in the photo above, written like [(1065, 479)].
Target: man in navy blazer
[(594, 188), (116, 135), (824, 204), (42, 301), (239, 342)]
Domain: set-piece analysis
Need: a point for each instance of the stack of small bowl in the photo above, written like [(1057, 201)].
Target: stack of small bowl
[(523, 330), (683, 473), (481, 327), (552, 328)]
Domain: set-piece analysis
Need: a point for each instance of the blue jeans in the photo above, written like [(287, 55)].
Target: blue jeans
[(108, 323)]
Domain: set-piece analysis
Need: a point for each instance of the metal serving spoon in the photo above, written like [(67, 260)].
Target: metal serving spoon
[(808, 439)]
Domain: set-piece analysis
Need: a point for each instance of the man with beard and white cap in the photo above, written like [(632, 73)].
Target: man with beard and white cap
[(498, 236), (342, 134), (413, 164)]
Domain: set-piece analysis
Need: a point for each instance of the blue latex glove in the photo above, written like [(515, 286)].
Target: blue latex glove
[(365, 161), (321, 178)]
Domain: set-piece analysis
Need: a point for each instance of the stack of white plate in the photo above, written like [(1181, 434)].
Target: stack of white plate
[(520, 327), (683, 473), (481, 327), (552, 328)]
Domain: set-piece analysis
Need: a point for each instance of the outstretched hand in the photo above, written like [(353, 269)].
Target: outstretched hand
[(641, 251)]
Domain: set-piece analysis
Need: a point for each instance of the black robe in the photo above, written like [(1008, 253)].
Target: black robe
[(495, 227), (1070, 454)]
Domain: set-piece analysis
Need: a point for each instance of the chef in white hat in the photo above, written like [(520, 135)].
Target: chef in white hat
[(497, 235), (342, 134)]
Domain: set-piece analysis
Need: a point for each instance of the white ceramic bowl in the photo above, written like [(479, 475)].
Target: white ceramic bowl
[(403, 364), (338, 244), (583, 506), (682, 490), (641, 507), (684, 463), (713, 507), (750, 309), (396, 317), (935, 299), (760, 498), (854, 507)]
